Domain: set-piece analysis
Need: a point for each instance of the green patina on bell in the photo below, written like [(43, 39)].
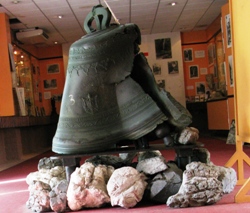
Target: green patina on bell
[(102, 102)]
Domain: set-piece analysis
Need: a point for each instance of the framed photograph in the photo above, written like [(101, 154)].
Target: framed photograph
[(211, 53), (25, 71), (33, 69), (38, 113), (199, 54), (231, 72), (38, 70), (53, 68), (203, 71), (202, 98), (43, 111), (197, 98), (161, 83), (231, 134), (40, 97), (156, 69), (47, 95), (50, 84), (228, 30), (188, 54), (173, 67), (163, 48), (215, 71), (200, 88), (194, 71), (57, 97)]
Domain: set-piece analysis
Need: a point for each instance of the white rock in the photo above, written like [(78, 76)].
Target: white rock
[(126, 187), (87, 187), (152, 166), (200, 186)]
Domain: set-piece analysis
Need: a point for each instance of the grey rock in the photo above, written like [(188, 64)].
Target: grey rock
[(110, 160), (128, 157), (58, 197), (201, 155), (148, 154), (164, 184), (47, 163), (168, 140)]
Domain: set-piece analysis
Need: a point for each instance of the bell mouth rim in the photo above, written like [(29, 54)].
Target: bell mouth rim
[(66, 146)]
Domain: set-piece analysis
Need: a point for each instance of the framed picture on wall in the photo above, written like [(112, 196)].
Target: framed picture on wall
[(203, 71), (228, 30), (215, 71), (188, 54), (57, 97), (194, 71), (38, 70), (199, 54), (53, 68), (47, 95), (50, 84), (211, 53), (161, 83), (200, 88), (163, 48), (173, 67), (231, 71), (156, 69)]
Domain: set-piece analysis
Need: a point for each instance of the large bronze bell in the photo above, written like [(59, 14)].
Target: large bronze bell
[(110, 93)]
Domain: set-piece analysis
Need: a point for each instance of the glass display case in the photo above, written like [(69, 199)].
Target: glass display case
[(24, 81)]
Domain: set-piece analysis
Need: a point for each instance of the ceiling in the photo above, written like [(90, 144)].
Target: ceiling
[(152, 16)]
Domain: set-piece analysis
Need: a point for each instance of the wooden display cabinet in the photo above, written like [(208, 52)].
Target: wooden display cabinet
[(217, 112)]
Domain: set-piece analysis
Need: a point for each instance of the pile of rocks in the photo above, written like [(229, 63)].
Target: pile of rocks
[(117, 181)]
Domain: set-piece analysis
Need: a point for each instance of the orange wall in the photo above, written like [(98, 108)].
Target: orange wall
[(201, 36), (213, 28), (43, 52), (50, 52), (6, 94), (193, 37), (198, 41), (60, 78), (31, 49), (190, 83)]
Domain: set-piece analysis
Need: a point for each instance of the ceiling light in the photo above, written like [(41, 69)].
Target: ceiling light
[(55, 42), (173, 3), (59, 16)]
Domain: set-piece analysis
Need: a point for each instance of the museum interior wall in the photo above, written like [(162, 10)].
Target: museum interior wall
[(208, 74)]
